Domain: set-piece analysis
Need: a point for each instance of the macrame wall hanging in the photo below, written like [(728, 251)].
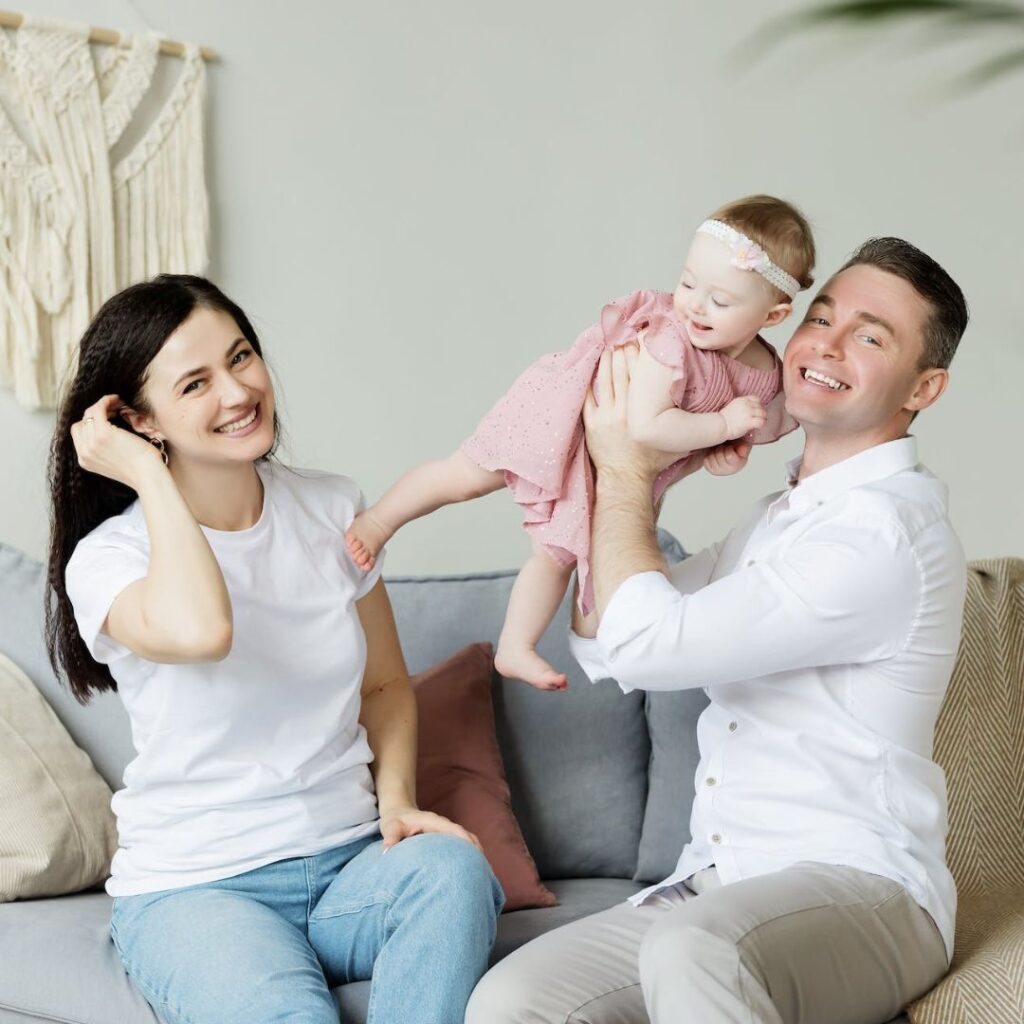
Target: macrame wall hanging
[(76, 225)]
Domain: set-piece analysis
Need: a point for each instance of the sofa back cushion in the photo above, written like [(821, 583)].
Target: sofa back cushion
[(101, 728), (576, 761), (672, 723)]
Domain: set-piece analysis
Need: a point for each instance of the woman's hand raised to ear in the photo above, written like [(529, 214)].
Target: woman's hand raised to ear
[(112, 451), (180, 611)]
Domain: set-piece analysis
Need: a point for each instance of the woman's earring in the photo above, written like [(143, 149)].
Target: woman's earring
[(158, 444)]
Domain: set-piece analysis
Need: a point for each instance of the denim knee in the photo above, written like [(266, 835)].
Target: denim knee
[(458, 864), (205, 956)]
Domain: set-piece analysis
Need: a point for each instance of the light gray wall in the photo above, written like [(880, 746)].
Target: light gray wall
[(413, 201)]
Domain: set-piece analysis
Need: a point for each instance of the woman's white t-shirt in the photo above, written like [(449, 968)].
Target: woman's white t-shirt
[(260, 756)]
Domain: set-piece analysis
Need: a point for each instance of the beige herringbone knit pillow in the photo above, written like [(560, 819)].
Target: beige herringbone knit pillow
[(979, 741), (57, 832)]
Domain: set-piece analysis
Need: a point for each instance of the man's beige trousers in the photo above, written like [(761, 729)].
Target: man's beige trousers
[(814, 944)]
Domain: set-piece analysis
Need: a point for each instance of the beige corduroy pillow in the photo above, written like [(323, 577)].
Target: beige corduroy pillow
[(57, 832), (979, 741)]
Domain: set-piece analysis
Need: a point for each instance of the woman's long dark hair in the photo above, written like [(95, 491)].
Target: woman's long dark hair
[(113, 359)]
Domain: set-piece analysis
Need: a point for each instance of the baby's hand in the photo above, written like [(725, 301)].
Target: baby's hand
[(725, 459), (743, 415)]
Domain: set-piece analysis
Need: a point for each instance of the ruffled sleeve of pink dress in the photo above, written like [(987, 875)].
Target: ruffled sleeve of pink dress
[(534, 434)]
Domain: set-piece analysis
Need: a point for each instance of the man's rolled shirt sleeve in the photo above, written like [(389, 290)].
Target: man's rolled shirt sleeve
[(835, 597), (687, 577)]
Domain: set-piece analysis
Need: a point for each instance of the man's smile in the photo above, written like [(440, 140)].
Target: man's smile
[(819, 379)]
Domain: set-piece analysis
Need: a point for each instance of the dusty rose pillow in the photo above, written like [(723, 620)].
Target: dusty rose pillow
[(460, 773)]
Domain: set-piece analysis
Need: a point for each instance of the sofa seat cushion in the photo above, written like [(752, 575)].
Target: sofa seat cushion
[(57, 961), (577, 897)]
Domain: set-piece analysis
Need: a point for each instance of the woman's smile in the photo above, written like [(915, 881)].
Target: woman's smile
[(242, 425)]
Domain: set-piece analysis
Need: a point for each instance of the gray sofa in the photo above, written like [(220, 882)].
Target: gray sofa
[(601, 784)]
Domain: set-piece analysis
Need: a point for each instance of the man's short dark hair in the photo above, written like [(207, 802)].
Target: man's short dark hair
[(948, 320)]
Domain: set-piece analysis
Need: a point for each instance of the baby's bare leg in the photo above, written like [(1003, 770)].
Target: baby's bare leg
[(424, 489), (536, 595)]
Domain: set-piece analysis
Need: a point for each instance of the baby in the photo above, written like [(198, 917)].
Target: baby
[(704, 376)]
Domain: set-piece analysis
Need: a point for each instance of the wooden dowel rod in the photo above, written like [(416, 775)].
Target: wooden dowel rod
[(108, 37)]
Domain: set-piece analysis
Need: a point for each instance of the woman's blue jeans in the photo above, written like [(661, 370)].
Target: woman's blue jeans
[(268, 945)]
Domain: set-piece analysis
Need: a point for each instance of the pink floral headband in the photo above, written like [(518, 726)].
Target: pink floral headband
[(748, 255)]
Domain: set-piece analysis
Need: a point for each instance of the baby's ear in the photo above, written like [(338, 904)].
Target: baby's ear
[(777, 314)]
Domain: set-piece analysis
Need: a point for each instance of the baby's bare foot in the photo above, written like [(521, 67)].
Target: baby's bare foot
[(364, 539), (526, 664)]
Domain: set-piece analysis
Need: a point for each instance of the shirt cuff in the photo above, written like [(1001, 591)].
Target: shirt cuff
[(638, 603), (628, 614), (588, 655)]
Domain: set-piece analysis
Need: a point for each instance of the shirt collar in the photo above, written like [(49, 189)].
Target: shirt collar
[(876, 463)]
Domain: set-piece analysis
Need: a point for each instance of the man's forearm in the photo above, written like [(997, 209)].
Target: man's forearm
[(624, 540)]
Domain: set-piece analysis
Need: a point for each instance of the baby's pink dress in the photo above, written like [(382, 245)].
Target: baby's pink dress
[(534, 434)]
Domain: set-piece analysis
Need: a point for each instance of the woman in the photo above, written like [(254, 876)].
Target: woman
[(262, 675)]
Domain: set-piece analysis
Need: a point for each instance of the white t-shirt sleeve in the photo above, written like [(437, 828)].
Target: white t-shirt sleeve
[(99, 569)]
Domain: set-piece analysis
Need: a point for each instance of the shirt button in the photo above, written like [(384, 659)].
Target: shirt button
[(733, 726), (750, 563), (711, 781), (716, 838)]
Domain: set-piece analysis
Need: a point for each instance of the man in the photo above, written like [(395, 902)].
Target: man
[(824, 628)]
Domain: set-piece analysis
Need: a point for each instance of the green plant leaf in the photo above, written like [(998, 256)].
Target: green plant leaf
[(1003, 14), (995, 68), (866, 11)]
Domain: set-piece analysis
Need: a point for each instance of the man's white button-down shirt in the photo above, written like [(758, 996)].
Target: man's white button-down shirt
[(824, 629)]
